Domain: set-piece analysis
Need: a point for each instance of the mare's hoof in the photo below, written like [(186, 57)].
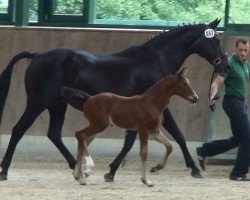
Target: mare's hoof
[(3, 177), (196, 174), (108, 178)]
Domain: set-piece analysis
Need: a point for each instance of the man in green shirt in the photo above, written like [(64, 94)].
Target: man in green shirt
[(236, 85)]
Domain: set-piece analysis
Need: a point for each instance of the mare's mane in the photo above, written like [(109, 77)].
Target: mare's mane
[(157, 38), (174, 31)]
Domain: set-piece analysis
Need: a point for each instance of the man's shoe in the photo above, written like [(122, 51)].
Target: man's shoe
[(239, 178), (201, 159)]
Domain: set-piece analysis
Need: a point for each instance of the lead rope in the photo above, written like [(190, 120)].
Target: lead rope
[(212, 107)]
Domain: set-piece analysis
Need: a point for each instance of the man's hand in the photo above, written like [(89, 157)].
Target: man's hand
[(211, 102)]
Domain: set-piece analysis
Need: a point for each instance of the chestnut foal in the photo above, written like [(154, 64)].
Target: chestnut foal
[(141, 112)]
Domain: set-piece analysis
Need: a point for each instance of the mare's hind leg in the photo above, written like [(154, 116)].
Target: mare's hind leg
[(128, 143), (170, 125), (144, 154), (159, 137), (26, 120), (57, 114)]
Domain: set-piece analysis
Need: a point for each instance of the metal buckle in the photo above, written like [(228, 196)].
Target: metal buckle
[(217, 61)]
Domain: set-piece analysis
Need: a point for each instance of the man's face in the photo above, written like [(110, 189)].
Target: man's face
[(242, 51)]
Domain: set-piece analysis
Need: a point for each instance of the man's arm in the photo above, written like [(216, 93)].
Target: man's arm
[(219, 80)]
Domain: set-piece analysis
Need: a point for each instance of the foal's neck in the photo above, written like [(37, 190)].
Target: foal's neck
[(159, 94)]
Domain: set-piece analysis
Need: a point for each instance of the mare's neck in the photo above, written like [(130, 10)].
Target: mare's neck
[(173, 49)]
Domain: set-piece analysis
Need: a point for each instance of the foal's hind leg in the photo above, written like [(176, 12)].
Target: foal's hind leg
[(170, 125), (57, 113), (82, 136), (159, 137), (80, 151)]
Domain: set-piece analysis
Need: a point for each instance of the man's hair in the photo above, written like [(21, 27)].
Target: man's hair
[(241, 40)]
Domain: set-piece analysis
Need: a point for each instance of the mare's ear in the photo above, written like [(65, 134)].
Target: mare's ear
[(214, 23)]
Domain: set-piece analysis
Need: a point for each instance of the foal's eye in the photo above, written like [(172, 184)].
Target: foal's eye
[(185, 84)]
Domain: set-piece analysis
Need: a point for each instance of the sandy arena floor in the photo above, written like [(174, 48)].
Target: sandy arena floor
[(48, 180)]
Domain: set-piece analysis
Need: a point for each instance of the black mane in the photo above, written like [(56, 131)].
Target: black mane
[(174, 32)]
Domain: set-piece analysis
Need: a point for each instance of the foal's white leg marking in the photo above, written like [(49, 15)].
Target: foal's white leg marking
[(89, 164), (144, 179), (77, 173)]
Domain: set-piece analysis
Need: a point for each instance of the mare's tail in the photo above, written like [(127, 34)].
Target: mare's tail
[(76, 98), (5, 78)]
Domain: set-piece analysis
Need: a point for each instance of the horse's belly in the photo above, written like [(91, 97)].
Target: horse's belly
[(123, 123)]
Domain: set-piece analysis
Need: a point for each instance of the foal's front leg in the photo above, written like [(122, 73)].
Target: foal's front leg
[(144, 153), (170, 125), (159, 137)]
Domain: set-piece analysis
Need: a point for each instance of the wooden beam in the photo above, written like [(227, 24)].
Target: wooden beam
[(22, 13)]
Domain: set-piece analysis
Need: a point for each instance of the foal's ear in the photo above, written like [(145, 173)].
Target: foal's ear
[(182, 72), (214, 23)]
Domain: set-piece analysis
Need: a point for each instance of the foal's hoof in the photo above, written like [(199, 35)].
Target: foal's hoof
[(108, 178), (196, 174), (147, 182), (82, 182), (156, 168), (3, 177), (86, 174)]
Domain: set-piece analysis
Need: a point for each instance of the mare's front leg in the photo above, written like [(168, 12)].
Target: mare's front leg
[(144, 154), (159, 137), (128, 143), (170, 125)]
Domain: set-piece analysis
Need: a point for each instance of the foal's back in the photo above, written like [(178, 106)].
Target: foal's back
[(126, 112)]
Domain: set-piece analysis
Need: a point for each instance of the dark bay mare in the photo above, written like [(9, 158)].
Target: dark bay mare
[(127, 73), (143, 113)]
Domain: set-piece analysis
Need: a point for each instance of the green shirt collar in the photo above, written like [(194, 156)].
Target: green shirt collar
[(237, 59)]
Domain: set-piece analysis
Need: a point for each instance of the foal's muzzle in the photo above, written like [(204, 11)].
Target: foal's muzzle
[(194, 99)]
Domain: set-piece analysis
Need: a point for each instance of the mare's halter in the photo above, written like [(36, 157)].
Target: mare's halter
[(210, 33)]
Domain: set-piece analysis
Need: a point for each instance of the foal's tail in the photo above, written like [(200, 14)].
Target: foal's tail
[(76, 98), (5, 78)]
